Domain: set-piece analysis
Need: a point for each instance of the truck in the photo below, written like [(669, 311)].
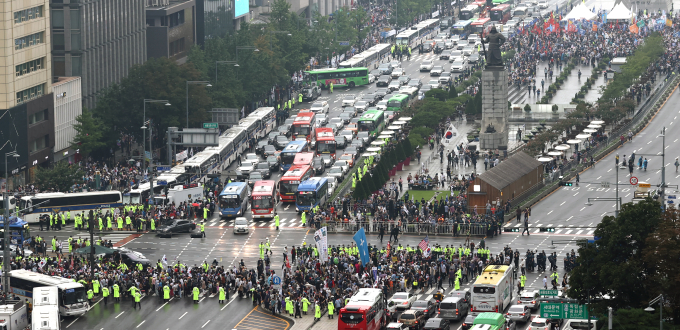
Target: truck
[(45, 318), (179, 194), (14, 316), (46, 296)]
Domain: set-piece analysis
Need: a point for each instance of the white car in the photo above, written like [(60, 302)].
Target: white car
[(394, 85), (403, 300), (342, 164), (361, 106), (371, 78), (445, 77), (320, 107), (467, 51), (382, 105), (397, 72), (473, 38), (539, 323), (449, 44), (241, 226), (436, 70), (348, 101), (543, 4), (408, 90), (426, 66), (336, 172), (455, 54), (455, 38), (321, 119), (458, 66), (434, 84)]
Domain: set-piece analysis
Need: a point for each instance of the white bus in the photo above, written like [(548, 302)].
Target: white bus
[(45, 318), (68, 202), (492, 291), (46, 296), (520, 12), (72, 296)]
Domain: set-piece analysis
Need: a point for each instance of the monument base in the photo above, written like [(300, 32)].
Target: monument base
[(489, 141), (494, 108)]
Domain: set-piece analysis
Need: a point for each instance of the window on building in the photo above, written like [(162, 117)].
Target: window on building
[(39, 143), (29, 40), (30, 66), (75, 19), (150, 22), (28, 14), (176, 47), (75, 41), (30, 93), (57, 19), (58, 41), (58, 66), (76, 66), (173, 20), (37, 117)]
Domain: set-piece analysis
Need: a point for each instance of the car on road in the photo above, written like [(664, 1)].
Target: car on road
[(467, 324), (370, 98), (349, 158), (328, 160), (321, 119), (458, 66), (426, 47), (342, 164), (408, 90), (273, 162), (453, 308), (382, 105), (271, 137), (350, 110), (530, 299), (383, 81), (385, 69), (394, 85), (361, 106), (348, 134), (474, 58), (281, 142), (539, 323), (449, 43), (269, 150), (358, 143), (461, 44), (434, 83), (348, 101), (404, 80), (518, 313), (439, 47), (467, 51), (397, 72), (437, 324), (396, 325), (428, 307), (254, 177), (365, 136), (284, 129), (426, 66), (445, 55), (245, 168), (311, 93), (510, 325), (263, 168), (318, 165), (436, 70), (340, 142), (413, 319), (336, 172), (381, 92), (395, 64), (472, 39), (241, 226), (445, 78), (320, 107), (260, 146), (346, 117), (404, 300), (415, 83), (543, 4), (174, 227)]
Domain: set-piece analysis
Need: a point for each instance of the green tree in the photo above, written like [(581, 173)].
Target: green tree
[(89, 136), (359, 191), (408, 148), (61, 177), (401, 155), (613, 265)]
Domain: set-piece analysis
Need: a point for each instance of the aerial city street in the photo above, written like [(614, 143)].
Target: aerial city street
[(389, 165)]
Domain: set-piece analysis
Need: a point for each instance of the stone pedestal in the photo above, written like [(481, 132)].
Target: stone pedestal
[(494, 108)]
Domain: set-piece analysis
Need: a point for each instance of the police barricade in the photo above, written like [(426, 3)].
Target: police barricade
[(418, 228)]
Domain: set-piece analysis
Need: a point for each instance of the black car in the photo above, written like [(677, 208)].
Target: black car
[(439, 47), (437, 324), (426, 48), (318, 166), (259, 149), (132, 258), (284, 129), (381, 92), (175, 226), (311, 93), (340, 142), (269, 150), (510, 325), (467, 324), (281, 142), (254, 177), (358, 143), (273, 162), (371, 98), (263, 168), (384, 81), (271, 137), (428, 307)]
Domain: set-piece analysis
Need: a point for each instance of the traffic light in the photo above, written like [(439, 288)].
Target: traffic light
[(547, 229), (511, 230), (566, 183)]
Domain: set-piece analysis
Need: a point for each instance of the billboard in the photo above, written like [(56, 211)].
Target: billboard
[(241, 7)]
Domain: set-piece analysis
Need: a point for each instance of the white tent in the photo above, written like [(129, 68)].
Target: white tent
[(580, 12), (620, 12)]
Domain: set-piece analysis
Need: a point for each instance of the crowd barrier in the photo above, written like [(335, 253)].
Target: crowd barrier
[(415, 228)]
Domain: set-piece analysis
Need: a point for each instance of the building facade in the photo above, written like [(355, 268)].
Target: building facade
[(170, 28), (26, 107), (68, 105), (98, 40)]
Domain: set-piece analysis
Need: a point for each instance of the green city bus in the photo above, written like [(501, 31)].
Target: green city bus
[(494, 319), (372, 121), (398, 102), (339, 77), (501, 2)]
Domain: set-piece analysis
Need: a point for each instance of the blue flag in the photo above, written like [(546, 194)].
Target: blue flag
[(362, 244)]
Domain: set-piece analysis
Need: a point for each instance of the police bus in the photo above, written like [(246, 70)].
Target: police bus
[(311, 193), (492, 291), (41, 204), (233, 200), (72, 298)]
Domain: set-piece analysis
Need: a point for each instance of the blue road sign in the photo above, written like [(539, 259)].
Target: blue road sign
[(163, 168), (162, 183), (276, 280)]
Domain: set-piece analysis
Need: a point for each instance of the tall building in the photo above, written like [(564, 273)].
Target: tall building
[(170, 28), (26, 106), (98, 40)]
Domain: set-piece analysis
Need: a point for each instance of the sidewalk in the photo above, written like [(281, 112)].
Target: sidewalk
[(307, 321)]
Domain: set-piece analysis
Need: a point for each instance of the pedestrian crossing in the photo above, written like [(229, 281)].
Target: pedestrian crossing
[(115, 238), (259, 223), (535, 228)]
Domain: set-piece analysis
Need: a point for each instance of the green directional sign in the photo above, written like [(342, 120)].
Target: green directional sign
[(563, 311), (546, 293), (210, 125)]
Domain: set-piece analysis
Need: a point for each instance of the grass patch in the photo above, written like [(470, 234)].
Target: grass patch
[(428, 194)]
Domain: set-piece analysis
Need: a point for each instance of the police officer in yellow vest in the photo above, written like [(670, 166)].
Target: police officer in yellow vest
[(105, 293), (166, 293), (276, 221), (317, 311), (196, 292), (222, 296), (203, 229)]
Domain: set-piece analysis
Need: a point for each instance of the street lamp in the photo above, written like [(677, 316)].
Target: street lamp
[(167, 103), (6, 266), (659, 300), (245, 47), (194, 82), (223, 62)]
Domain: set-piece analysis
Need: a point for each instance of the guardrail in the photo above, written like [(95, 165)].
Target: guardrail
[(446, 228)]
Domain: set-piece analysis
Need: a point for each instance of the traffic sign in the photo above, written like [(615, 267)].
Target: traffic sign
[(644, 185), (633, 180), (210, 125), (276, 280), (163, 168), (563, 311), (671, 197), (162, 183), (548, 292)]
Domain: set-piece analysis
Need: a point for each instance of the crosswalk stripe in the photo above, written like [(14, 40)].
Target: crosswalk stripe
[(579, 232), (539, 225), (558, 231), (537, 230), (591, 232), (568, 231), (518, 225)]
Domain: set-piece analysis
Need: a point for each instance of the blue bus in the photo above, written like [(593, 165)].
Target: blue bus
[(311, 193), (290, 151), (234, 199), (462, 28), (18, 231)]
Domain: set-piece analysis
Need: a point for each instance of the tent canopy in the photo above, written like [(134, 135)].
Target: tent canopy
[(98, 249), (620, 12), (580, 12)]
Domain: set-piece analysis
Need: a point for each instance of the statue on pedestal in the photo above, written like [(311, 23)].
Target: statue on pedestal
[(490, 129), (495, 40)]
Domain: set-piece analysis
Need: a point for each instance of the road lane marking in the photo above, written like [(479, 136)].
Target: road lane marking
[(573, 216), (582, 209), (550, 212), (206, 323), (185, 313), (121, 313), (576, 193), (140, 324)]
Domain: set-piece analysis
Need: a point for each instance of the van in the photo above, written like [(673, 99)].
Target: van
[(579, 324), (453, 308)]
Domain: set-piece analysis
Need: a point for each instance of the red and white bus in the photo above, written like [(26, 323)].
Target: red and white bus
[(304, 158), (325, 141), (500, 13), (482, 25), (304, 124), (289, 182), (264, 199), (364, 311)]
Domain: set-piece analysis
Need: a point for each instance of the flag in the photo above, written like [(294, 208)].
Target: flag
[(164, 261), (423, 244), (362, 244), (321, 239), (42, 263), (389, 249)]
